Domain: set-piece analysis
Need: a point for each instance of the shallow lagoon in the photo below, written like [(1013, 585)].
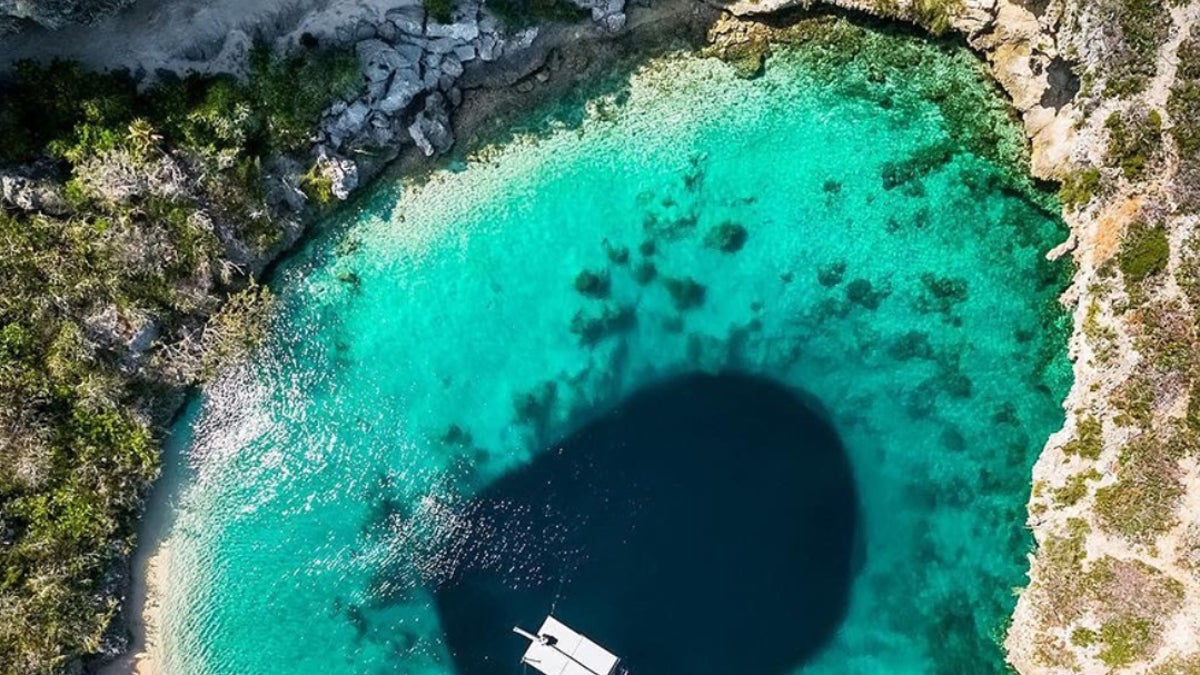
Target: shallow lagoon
[(834, 234)]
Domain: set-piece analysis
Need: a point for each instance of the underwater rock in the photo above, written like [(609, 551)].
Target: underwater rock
[(912, 345), (940, 294), (685, 292), (618, 255), (456, 435), (728, 237), (916, 166), (645, 272), (534, 407), (648, 248), (832, 274), (611, 321), (952, 439), (593, 284), (863, 293)]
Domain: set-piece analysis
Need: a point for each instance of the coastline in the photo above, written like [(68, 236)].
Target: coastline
[(150, 566), (561, 60), (582, 60), (1022, 49)]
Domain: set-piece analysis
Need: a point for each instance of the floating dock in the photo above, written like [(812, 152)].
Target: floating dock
[(558, 650)]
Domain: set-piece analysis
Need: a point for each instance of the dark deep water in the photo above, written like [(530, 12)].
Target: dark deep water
[(706, 525)]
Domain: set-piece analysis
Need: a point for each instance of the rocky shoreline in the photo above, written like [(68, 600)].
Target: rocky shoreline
[(434, 86)]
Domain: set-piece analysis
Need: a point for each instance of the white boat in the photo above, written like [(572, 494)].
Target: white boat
[(556, 649)]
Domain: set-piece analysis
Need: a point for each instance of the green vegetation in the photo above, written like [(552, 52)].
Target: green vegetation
[(1076, 488), (442, 11), (1141, 505), (1088, 440), (1079, 188), (520, 13), (1184, 109), (1125, 640), (1131, 50), (317, 186), (1144, 253), (1135, 600), (936, 15), (1084, 637), (1062, 580), (128, 286), (1134, 140), (1178, 665)]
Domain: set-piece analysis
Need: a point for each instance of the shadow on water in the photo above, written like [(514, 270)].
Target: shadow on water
[(707, 525)]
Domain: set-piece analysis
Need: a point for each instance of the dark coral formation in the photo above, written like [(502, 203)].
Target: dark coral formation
[(612, 320), (593, 284), (940, 294), (728, 237), (864, 294), (831, 275), (685, 292)]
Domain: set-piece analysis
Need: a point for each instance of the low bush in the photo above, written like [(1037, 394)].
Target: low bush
[(1144, 252)]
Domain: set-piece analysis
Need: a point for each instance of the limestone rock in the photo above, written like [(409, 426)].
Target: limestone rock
[(377, 59), (431, 128), (404, 87), (407, 20), (31, 194), (341, 172)]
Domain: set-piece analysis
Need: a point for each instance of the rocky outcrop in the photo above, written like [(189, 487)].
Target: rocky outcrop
[(18, 14), (415, 69)]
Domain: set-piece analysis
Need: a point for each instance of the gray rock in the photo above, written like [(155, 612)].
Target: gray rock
[(464, 53), (443, 45), (407, 20), (364, 30), (349, 123), (430, 129), (451, 66), (488, 24), (614, 23), (18, 14), (403, 89), (377, 59), (388, 32), (521, 40), (410, 53), (342, 173), (464, 31), (489, 48), (144, 335)]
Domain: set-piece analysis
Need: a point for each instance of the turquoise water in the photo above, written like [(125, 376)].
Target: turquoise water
[(831, 233)]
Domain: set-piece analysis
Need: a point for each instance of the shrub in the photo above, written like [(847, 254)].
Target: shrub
[(1144, 252), (520, 13), (291, 92), (1124, 640), (1130, 44), (1079, 188), (440, 10), (1134, 140), (1088, 441), (1075, 489), (1142, 504)]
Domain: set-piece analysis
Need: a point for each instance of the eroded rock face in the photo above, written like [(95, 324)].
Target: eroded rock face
[(16, 15)]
